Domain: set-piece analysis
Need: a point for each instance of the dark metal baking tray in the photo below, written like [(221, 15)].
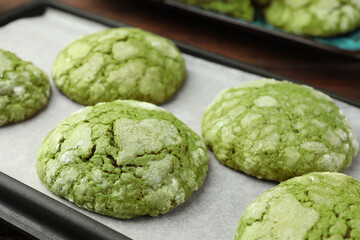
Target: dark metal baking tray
[(337, 44), (44, 217)]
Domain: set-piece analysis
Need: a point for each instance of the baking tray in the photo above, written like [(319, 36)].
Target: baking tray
[(28, 205), (346, 44)]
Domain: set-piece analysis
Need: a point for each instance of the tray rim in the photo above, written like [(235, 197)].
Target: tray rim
[(255, 29), (43, 217)]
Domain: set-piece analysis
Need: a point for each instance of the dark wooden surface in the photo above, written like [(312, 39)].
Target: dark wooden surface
[(328, 71)]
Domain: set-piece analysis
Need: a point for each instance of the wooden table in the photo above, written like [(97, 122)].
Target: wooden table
[(328, 71)]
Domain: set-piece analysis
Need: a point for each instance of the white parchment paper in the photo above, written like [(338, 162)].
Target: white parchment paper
[(213, 211)]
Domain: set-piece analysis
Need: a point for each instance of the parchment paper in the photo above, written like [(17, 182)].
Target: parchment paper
[(213, 211)]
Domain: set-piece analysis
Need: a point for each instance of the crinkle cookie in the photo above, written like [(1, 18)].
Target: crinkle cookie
[(24, 88), (277, 130), (321, 18), (237, 8), (120, 63), (123, 159), (313, 206)]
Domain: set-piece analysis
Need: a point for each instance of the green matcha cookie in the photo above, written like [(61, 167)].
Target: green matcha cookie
[(24, 88), (277, 130), (313, 206), (120, 63), (123, 159), (237, 8), (321, 18)]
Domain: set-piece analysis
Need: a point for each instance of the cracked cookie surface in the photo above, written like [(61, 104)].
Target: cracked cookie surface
[(119, 63), (277, 130), (321, 18), (310, 207), (24, 88), (123, 159)]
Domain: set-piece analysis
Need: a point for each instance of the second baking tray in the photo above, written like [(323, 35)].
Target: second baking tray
[(211, 213), (346, 44)]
